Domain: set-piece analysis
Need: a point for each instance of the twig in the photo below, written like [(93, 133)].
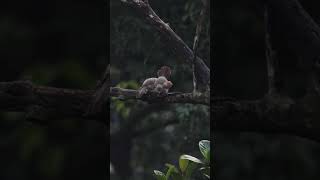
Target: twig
[(196, 41), (270, 54)]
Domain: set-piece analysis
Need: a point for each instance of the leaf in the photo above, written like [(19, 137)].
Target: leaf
[(159, 175), (173, 172), (190, 169), (172, 169), (187, 164), (204, 147), (183, 164), (191, 158)]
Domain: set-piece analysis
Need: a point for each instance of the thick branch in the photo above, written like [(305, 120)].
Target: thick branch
[(174, 41), (23, 96), (270, 115), (171, 98)]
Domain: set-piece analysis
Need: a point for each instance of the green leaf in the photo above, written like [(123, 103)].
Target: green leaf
[(183, 164), (187, 164), (204, 147), (159, 175), (190, 169), (173, 172), (191, 158), (172, 169)]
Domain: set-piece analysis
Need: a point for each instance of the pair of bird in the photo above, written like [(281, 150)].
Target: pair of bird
[(159, 85)]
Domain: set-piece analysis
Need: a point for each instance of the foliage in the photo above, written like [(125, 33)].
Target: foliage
[(187, 165)]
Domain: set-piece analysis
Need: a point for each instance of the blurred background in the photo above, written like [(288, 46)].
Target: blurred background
[(146, 136), (63, 44), (240, 71)]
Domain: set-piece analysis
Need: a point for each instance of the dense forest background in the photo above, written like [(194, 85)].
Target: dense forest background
[(60, 44)]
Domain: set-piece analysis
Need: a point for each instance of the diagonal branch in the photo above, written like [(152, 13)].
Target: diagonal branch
[(295, 27), (174, 41)]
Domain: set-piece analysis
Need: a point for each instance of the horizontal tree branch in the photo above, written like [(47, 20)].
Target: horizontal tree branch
[(270, 115), (153, 98), (23, 96)]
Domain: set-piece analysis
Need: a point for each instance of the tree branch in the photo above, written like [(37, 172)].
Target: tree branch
[(196, 43), (23, 96), (294, 27), (283, 115), (270, 54), (174, 41), (153, 98)]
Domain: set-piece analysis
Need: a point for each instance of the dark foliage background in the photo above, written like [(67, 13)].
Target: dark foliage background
[(63, 44), (240, 71), (136, 52)]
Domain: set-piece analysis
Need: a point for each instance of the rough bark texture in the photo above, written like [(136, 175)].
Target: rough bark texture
[(153, 98)]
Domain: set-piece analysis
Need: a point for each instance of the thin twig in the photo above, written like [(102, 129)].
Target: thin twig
[(270, 54), (196, 41)]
